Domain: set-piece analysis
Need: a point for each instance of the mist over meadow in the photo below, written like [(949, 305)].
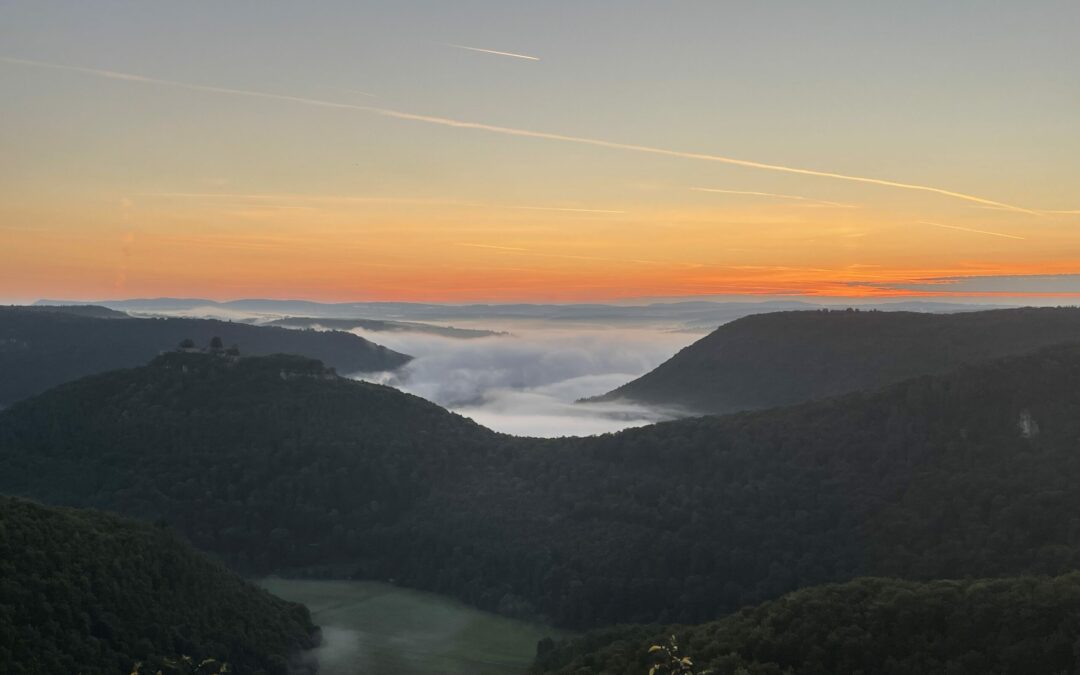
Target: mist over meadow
[(526, 381)]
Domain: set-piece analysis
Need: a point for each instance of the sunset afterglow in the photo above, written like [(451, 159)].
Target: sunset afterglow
[(348, 165)]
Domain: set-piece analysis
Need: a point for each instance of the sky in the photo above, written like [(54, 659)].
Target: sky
[(539, 151)]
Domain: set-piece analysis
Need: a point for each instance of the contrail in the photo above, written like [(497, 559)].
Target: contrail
[(1039, 212), (497, 53), (511, 131), (777, 196), (968, 229)]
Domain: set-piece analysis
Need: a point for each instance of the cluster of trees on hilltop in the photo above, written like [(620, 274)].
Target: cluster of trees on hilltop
[(1011, 626), (85, 592), (42, 347), (277, 466), (784, 358)]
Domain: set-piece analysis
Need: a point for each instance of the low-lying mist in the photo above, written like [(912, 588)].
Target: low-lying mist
[(525, 383)]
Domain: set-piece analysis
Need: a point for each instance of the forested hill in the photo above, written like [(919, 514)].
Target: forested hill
[(85, 592), (278, 466), (1012, 626), (41, 347), (770, 360), (273, 462)]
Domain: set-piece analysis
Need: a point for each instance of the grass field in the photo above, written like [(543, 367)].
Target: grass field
[(370, 627)]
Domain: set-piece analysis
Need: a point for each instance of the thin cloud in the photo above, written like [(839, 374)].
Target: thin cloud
[(969, 229), (562, 208), (774, 195), (512, 131), (1038, 212), (360, 92), (496, 53), (991, 284), (370, 199), (564, 256), (493, 246)]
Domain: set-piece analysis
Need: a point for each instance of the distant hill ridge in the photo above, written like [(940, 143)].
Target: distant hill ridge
[(693, 314), (86, 592), (776, 359), (41, 347), (89, 311)]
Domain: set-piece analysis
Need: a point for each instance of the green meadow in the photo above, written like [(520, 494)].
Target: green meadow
[(371, 627)]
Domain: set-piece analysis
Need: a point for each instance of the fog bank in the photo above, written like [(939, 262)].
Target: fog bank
[(526, 382)]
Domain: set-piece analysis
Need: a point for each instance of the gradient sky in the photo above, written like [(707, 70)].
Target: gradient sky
[(316, 149)]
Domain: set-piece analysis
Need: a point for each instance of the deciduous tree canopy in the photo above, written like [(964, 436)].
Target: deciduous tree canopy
[(85, 592), (883, 626)]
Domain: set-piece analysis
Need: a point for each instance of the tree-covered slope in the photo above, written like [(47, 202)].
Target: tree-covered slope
[(43, 346), (971, 473), (783, 358), (278, 466), (85, 592), (1012, 626), (274, 462)]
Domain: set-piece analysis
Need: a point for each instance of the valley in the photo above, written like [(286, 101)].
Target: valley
[(369, 626)]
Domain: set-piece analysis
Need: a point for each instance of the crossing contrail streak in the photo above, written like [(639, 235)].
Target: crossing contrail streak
[(969, 229), (776, 196), (497, 53), (512, 131)]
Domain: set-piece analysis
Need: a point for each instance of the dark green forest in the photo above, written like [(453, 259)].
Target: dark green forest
[(278, 466), (42, 346), (85, 592), (1010, 626), (783, 358)]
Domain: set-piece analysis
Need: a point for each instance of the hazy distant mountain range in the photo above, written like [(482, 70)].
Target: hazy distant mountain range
[(690, 314), (382, 326)]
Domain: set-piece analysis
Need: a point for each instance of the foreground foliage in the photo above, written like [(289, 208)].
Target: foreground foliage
[(278, 466), (881, 626), (85, 592)]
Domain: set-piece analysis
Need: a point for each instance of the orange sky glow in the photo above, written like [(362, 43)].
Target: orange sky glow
[(374, 164)]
